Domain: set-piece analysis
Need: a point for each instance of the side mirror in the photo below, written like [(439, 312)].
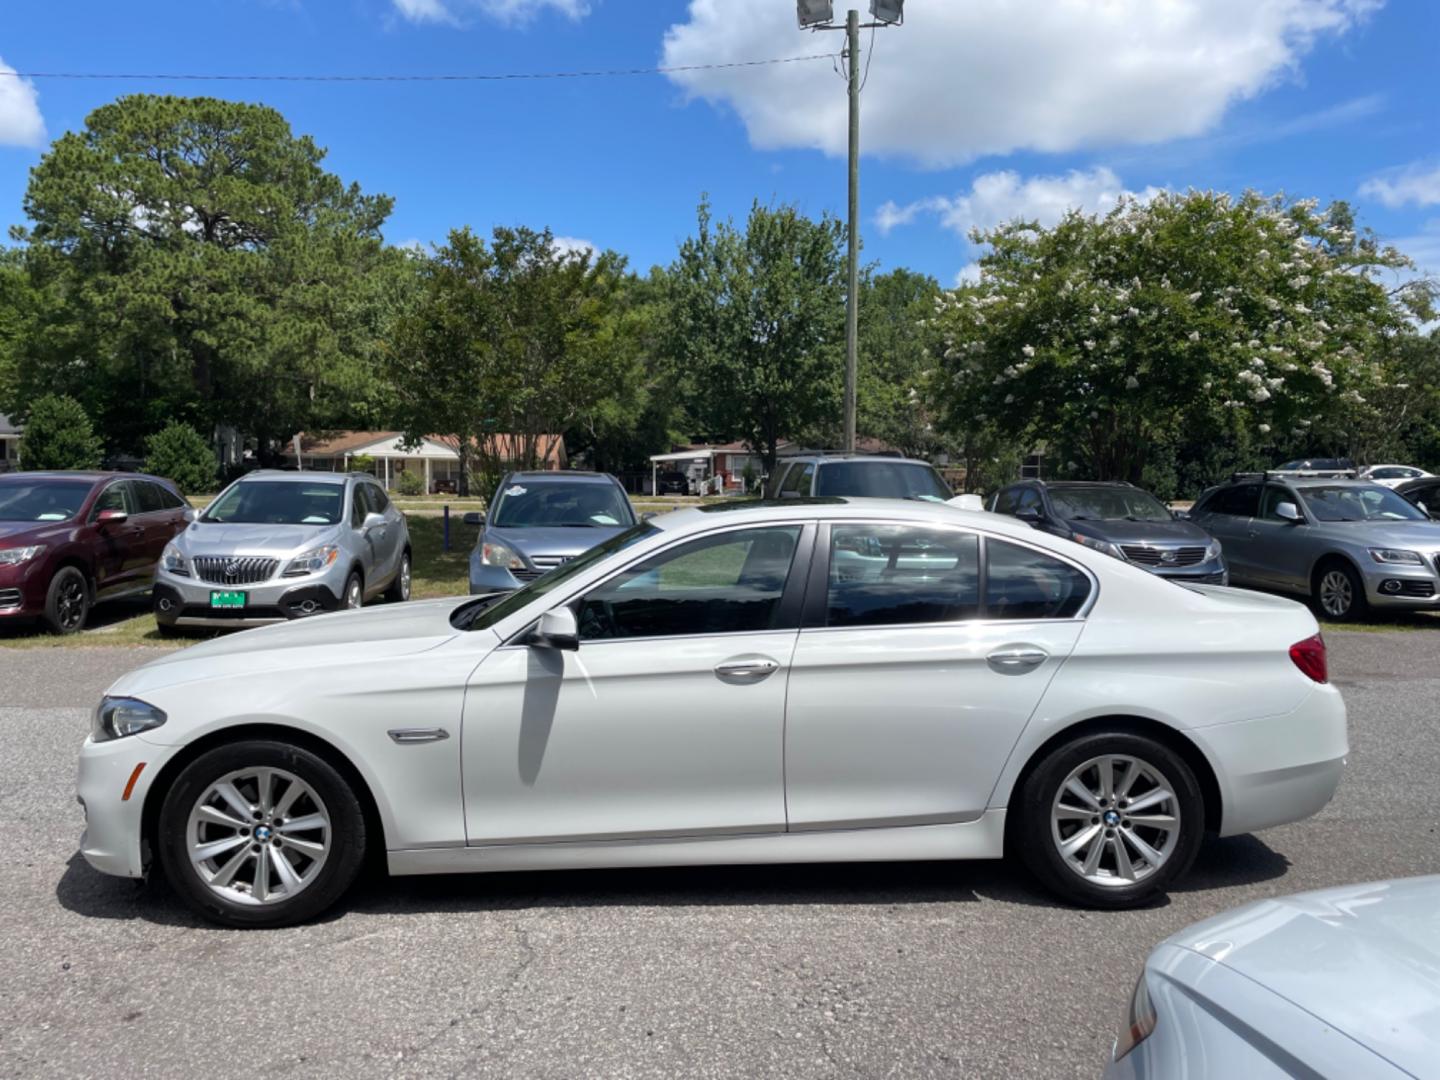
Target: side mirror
[(557, 629), (372, 521), (112, 517), (1288, 511), (191, 514), (1180, 515), (1028, 514), (647, 515), (473, 518)]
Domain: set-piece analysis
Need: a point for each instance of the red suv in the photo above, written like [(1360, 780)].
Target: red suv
[(69, 540)]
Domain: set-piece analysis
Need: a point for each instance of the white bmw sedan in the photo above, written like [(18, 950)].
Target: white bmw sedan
[(810, 681)]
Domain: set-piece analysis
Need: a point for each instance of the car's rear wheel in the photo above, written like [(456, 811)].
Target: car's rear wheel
[(260, 834), (354, 591), (1110, 820), (399, 590), (67, 601), (1339, 593)]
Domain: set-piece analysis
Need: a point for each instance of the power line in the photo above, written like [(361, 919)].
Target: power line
[(476, 77)]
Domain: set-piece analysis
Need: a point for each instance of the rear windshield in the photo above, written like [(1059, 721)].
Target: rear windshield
[(1107, 504), (1360, 504), (881, 480), (552, 505), (278, 502), (41, 500)]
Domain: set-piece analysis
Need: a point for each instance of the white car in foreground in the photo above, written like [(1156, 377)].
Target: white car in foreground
[(812, 681), (1338, 983)]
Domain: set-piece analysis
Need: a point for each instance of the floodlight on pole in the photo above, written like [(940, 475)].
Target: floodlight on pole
[(889, 12), (814, 12)]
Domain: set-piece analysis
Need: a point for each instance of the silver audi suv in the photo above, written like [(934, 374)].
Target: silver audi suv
[(283, 545)]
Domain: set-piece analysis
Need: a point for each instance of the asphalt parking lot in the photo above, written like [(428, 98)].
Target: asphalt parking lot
[(875, 970)]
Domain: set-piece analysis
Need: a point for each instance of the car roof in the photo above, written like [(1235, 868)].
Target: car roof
[(551, 477), (825, 459), (306, 477), (1062, 484), (86, 476), (840, 508)]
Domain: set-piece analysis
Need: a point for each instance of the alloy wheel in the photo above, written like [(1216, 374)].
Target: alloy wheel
[(1115, 820), (70, 603), (1336, 594), (405, 578), (354, 597), (258, 836)]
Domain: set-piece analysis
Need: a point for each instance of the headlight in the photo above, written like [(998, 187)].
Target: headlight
[(494, 553), (117, 717), (1392, 557), (1098, 545), (1139, 1022), (15, 556), (1213, 551), (312, 561), (174, 562)]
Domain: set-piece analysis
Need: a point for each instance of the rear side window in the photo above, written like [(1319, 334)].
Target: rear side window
[(1024, 584), (889, 575), (149, 497), (1237, 501)]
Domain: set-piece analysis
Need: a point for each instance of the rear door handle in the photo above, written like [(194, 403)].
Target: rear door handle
[(1017, 659), (746, 669)]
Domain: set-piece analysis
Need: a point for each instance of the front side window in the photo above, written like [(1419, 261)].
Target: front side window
[(278, 502), (115, 497), (1021, 583), (41, 500), (889, 575), (1341, 503), (1429, 498), (379, 501), (798, 482), (777, 481), (549, 504), (881, 480), (724, 584), (1006, 501), (1270, 503)]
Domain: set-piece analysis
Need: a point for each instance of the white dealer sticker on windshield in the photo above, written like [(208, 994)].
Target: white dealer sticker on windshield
[(515, 490)]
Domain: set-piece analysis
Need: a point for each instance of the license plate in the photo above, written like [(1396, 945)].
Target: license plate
[(227, 600)]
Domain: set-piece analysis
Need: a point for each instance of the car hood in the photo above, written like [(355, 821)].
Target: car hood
[(553, 543), (1424, 535), (1365, 959), (367, 635), (214, 538), (1143, 532), (23, 533)]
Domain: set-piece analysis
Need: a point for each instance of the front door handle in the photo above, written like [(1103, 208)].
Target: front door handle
[(1017, 659), (746, 669)]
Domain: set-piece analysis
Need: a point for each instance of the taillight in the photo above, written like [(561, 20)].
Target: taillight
[(1309, 657)]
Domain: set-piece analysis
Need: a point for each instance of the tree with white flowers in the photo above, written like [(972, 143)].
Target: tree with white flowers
[(1259, 319)]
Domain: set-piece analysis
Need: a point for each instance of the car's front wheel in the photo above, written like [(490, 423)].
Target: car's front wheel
[(1110, 820), (67, 601), (354, 591), (1339, 593), (260, 833)]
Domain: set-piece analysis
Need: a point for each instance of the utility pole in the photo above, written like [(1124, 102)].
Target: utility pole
[(852, 300)]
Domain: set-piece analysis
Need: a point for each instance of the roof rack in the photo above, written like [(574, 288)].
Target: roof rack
[(1295, 474)]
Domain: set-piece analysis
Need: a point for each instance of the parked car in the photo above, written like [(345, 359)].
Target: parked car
[(1335, 983), (1120, 520), (278, 545), (853, 679), (540, 520), (70, 540), (1348, 545), (1392, 475), (672, 483), (1318, 466), (856, 476), (1424, 493)]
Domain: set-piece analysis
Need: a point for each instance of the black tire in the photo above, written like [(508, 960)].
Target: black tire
[(67, 601), (354, 584), (1328, 594), (347, 836), (1038, 839), (399, 590)]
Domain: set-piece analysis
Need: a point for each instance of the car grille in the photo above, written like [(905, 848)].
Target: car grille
[(9, 598), (1144, 555), (541, 564), (234, 570)]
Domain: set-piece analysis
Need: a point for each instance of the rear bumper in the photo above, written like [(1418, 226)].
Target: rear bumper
[(1278, 769)]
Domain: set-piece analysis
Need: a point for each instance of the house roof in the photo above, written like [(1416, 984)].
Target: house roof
[(340, 442)]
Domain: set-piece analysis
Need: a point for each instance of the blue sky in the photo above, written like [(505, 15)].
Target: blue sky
[(974, 111)]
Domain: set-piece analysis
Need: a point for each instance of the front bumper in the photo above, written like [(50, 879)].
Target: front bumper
[(1414, 588), (1278, 769), (112, 842), (185, 601), (485, 580), (1211, 572), (22, 589)]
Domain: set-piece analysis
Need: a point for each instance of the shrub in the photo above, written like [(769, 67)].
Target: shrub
[(180, 453), (409, 483), (58, 435)]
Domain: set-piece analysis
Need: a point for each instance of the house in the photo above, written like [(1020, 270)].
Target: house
[(716, 469), (436, 459), (9, 444)]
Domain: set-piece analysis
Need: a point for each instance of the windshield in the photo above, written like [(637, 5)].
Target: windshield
[(551, 505), (489, 610), (881, 480), (1107, 504), (41, 500), (278, 502), (1359, 504)]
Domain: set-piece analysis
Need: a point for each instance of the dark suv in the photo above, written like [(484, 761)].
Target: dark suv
[(856, 476), (1120, 520), (69, 540)]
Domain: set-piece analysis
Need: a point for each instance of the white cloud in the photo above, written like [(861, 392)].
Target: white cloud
[(1416, 183), (573, 245), (513, 12), (965, 79), (997, 197), (20, 121)]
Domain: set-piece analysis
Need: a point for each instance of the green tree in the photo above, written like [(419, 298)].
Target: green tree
[(894, 360), (1193, 317), (756, 321), (509, 344), (180, 453), (201, 264), (58, 435)]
